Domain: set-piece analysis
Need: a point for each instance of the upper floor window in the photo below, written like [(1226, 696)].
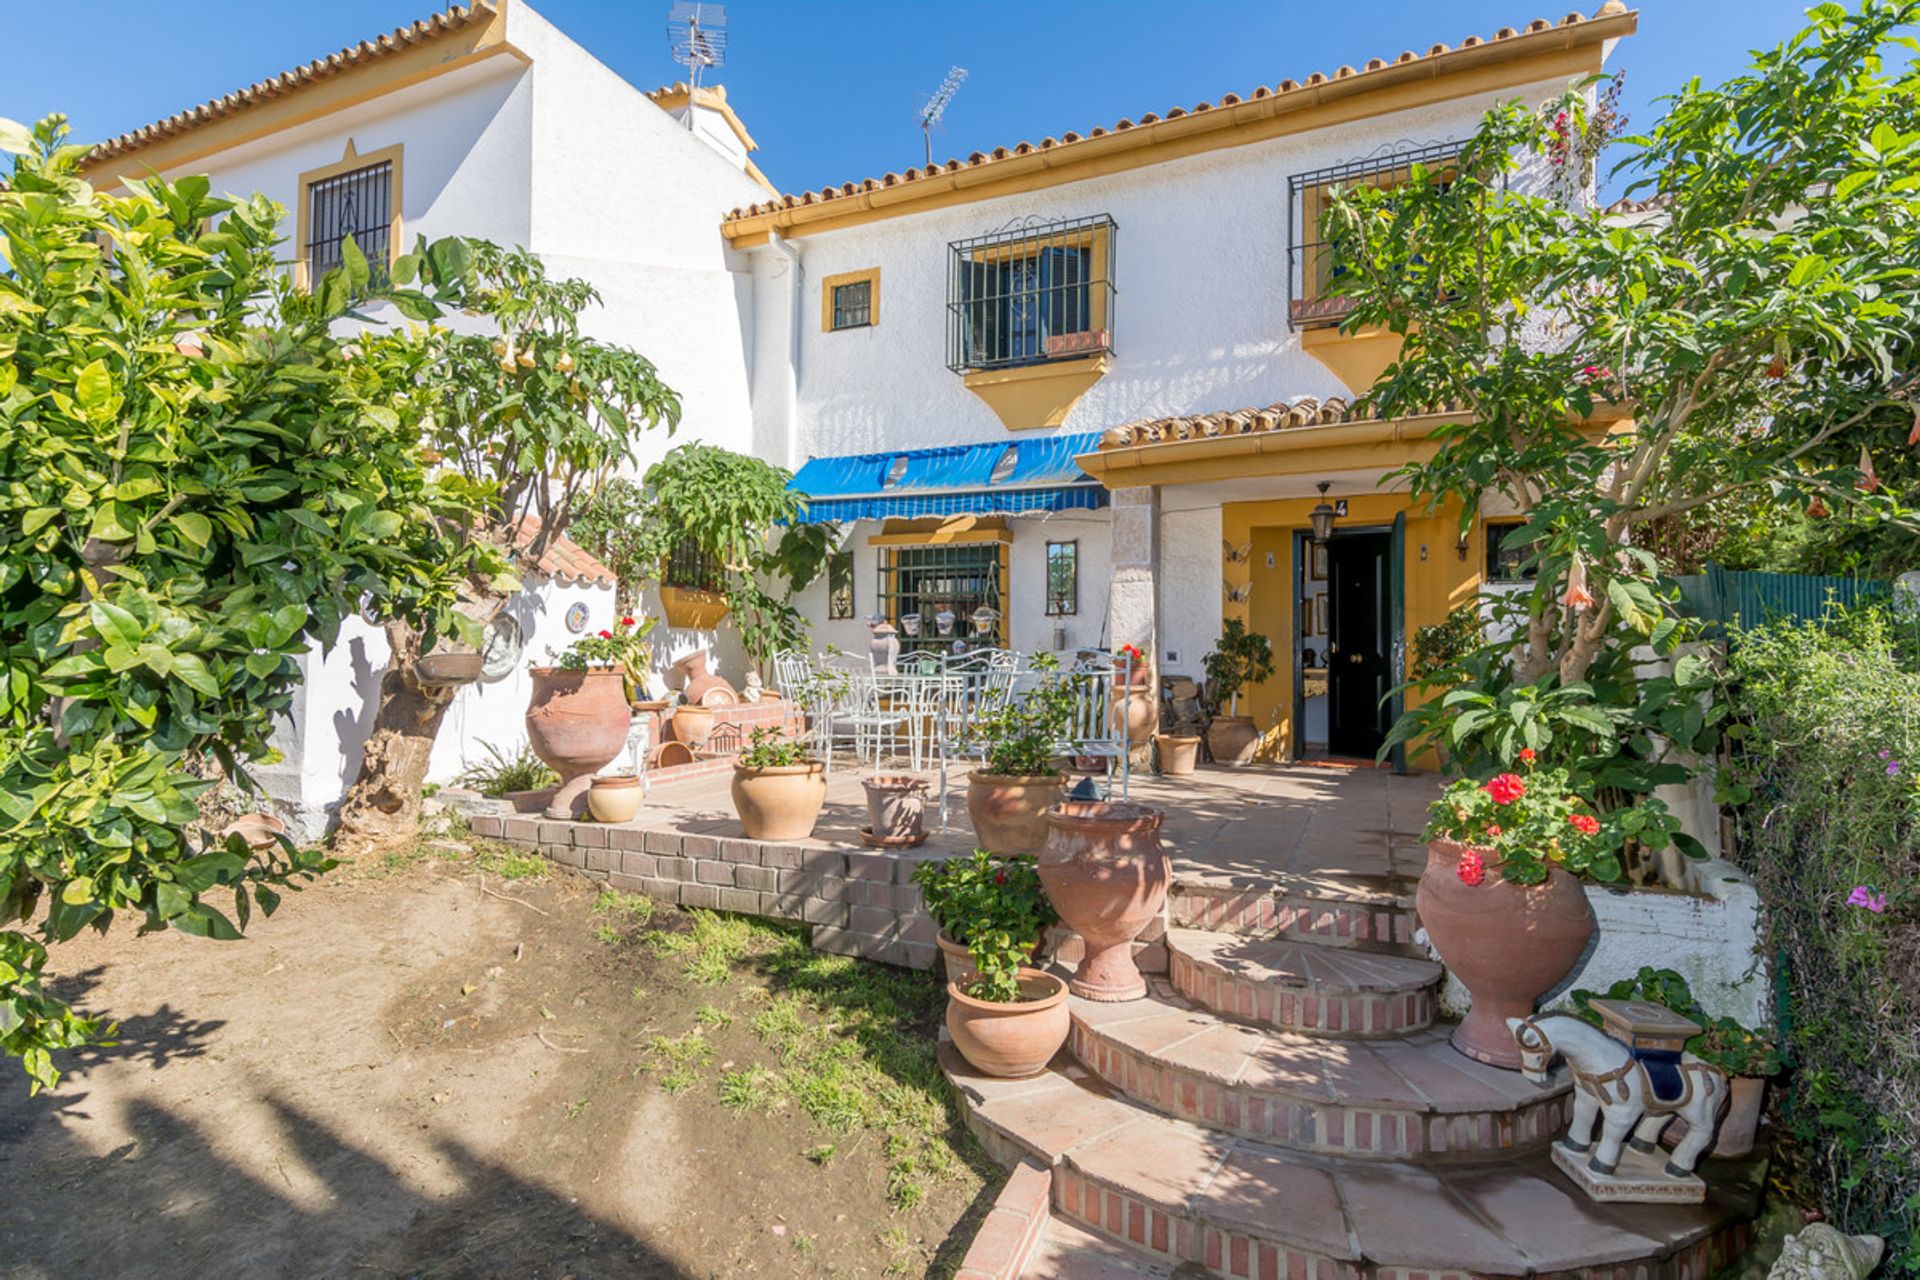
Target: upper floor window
[(1031, 293), (850, 300), (1314, 263), (360, 198), (1507, 556)]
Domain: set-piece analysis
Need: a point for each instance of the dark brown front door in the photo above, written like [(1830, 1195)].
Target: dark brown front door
[(1360, 652)]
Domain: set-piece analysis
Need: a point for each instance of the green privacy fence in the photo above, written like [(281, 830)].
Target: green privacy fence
[(1745, 599)]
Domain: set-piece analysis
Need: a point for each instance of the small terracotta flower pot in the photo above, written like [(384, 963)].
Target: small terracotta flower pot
[(1011, 1040), (692, 724), (1178, 754), (577, 722), (1509, 944), (1009, 812), (896, 806), (615, 798), (780, 802), (1742, 1121), (1105, 873), (1231, 739)]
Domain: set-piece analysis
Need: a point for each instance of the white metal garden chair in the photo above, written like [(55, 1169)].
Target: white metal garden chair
[(1093, 731)]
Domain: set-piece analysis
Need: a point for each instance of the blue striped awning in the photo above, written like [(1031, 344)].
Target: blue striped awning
[(964, 479)]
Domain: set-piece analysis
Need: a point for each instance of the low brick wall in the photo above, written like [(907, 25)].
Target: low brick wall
[(859, 903)]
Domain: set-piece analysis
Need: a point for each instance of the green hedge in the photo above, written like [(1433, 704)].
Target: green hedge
[(1830, 745)]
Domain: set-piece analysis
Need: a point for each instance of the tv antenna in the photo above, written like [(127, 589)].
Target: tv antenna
[(697, 37), (936, 106)]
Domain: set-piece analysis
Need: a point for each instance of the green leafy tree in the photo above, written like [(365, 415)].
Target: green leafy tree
[(1756, 324), (196, 484), (528, 422)]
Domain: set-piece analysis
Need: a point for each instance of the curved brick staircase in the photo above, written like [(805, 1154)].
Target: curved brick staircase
[(1284, 1106)]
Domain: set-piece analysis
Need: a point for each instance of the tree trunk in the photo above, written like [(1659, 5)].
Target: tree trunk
[(381, 810)]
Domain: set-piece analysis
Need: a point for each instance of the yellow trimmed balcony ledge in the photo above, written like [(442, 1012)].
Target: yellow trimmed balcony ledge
[(1031, 396)]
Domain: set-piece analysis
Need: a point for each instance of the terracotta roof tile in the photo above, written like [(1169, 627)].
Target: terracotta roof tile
[(1305, 411), (566, 561), (455, 18)]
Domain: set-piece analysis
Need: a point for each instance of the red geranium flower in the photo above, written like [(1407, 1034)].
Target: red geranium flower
[(1472, 868), (1506, 788), (605, 634), (626, 622), (1585, 824), (1526, 755)]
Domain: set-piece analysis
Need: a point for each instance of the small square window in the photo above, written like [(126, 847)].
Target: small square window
[(1063, 579), (853, 305), (840, 586), (1506, 553)]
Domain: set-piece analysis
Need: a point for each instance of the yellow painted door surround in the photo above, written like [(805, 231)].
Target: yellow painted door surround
[(1440, 574)]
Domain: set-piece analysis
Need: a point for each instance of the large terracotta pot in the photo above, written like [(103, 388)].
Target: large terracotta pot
[(1507, 943), (692, 725), (959, 959), (1178, 754), (779, 802), (1105, 873), (1011, 1040), (577, 722), (703, 688), (1742, 1120), (1232, 739), (1009, 813), (896, 806), (615, 798)]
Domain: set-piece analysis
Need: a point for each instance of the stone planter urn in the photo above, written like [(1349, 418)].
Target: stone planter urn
[(1135, 710), (1178, 754), (1105, 873), (1509, 944), (1231, 739), (1015, 1039), (577, 722), (779, 802), (615, 797), (1009, 812), (896, 808)]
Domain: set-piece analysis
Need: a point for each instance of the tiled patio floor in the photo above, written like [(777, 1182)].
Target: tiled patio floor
[(1349, 827)]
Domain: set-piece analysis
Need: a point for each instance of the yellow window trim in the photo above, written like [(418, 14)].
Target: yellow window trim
[(871, 277), (348, 163), (1313, 200), (935, 531), (1099, 240), (1029, 396)]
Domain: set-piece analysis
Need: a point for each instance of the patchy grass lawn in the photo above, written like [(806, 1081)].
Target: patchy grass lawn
[(458, 1060)]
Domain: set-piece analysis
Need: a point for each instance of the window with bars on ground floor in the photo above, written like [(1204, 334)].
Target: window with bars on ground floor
[(959, 587), (840, 586), (357, 204)]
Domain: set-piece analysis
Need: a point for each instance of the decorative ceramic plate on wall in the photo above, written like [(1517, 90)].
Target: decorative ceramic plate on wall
[(577, 617)]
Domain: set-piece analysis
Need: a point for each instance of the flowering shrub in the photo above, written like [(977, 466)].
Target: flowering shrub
[(994, 905), (1533, 818), (619, 647)]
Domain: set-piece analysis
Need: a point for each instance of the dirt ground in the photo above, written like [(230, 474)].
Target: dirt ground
[(409, 1074)]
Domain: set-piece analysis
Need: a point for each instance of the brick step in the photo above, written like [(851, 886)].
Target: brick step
[(1303, 986), (1069, 1252), (1310, 912), (1191, 1197), (1412, 1098)]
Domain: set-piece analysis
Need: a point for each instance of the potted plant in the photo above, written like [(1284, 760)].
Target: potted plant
[(896, 808), (1107, 876), (982, 895), (1008, 1020), (614, 797), (777, 790), (1241, 658), (1500, 898), (577, 720), (1009, 795), (1134, 709), (1749, 1058)]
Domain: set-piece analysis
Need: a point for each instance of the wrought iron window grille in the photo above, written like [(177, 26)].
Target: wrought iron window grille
[(357, 204), (1030, 292), (1313, 263), (932, 593)]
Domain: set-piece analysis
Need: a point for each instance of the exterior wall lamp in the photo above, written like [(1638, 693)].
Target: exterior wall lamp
[(1321, 517)]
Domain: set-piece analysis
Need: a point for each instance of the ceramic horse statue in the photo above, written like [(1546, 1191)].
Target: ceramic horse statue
[(1610, 1081)]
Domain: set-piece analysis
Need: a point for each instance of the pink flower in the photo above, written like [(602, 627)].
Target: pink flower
[(1472, 869), (1506, 788), (1862, 896), (1893, 768)]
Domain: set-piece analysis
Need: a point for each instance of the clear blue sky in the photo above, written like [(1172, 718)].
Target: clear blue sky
[(829, 87)]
